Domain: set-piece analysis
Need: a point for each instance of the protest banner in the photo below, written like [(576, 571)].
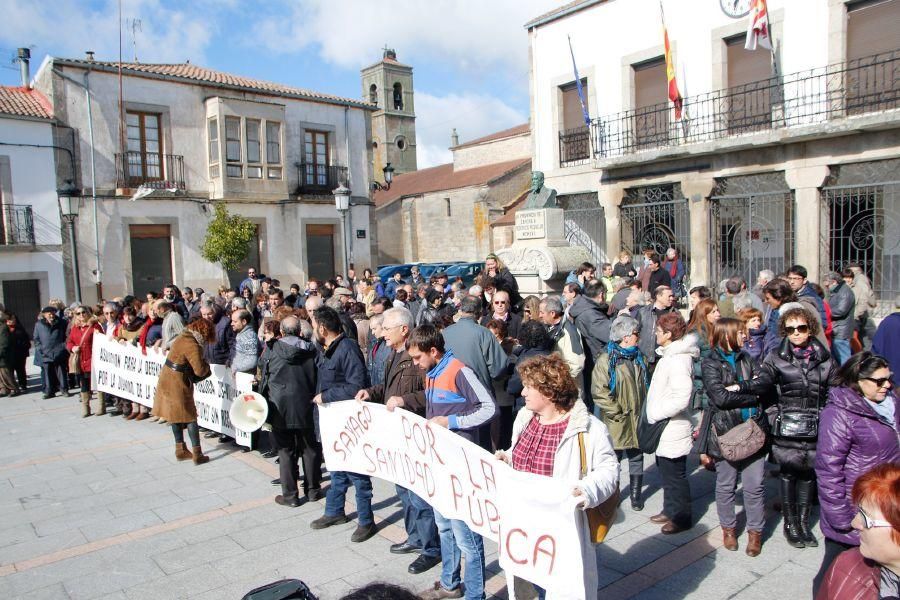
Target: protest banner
[(124, 371), (531, 517)]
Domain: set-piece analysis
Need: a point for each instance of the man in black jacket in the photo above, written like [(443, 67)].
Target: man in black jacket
[(50, 341), (342, 373), (590, 314), (289, 383), (663, 302), (658, 275)]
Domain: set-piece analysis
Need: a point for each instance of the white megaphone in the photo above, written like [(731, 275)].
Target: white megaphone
[(248, 412)]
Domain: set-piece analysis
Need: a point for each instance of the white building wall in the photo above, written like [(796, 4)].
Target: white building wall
[(32, 181)]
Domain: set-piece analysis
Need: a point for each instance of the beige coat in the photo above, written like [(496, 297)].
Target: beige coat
[(174, 399), (670, 395)]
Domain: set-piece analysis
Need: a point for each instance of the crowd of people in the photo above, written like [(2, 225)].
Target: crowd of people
[(784, 376)]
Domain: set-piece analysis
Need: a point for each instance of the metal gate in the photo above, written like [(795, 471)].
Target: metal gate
[(656, 217), (749, 233), (585, 224), (864, 228)]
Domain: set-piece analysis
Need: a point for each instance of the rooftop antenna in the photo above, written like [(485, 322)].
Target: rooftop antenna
[(135, 27)]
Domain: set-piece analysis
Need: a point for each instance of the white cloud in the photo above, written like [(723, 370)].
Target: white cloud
[(474, 37), (68, 29), (472, 114)]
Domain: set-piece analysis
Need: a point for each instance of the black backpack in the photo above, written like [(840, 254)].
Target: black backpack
[(286, 589)]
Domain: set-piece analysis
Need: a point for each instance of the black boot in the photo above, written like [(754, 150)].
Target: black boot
[(792, 532), (804, 504), (637, 501)]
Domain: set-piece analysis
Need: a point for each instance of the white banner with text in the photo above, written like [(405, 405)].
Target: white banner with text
[(123, 370), (532, 518)]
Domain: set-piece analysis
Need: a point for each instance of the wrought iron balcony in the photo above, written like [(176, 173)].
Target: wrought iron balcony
[(151, 170), (575, 146), (807, 98), (320, 179), (18, 225)]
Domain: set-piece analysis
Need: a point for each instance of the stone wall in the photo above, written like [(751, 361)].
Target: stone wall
[(502, 150)]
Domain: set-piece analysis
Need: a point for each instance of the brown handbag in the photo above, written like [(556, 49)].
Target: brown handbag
[(601, 517), (74, 363), (742, 441)]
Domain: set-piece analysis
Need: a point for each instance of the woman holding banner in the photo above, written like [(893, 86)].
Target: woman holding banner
[(547, 438), (174, 399), (79, 344)]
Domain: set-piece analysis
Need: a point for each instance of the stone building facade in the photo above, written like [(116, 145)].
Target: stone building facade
[(193, 137), (780, 158), (388, 85), (445, 212)]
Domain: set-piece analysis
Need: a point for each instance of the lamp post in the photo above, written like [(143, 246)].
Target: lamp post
[(388, 171), (69, 201), (342, 204)]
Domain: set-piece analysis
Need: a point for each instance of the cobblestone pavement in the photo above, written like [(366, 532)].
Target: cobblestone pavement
[(100, 508)]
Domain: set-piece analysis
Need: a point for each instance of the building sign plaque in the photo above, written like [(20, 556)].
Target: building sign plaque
[(531, 224)]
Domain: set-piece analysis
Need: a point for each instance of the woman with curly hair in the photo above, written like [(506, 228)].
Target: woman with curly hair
[(174, 399), (548, 435)]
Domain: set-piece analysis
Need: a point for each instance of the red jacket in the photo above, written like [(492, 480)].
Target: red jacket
[(851, 577), (83, 337)]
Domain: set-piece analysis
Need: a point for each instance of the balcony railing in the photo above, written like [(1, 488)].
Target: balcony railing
[(155, 171), (574, 146), (321, 179), (866, 85), (18, 225)]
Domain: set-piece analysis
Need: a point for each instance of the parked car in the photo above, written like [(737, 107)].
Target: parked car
[(467, 271), (387, 271)]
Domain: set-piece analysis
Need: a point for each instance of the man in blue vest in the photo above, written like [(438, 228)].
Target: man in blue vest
[(457, 400)]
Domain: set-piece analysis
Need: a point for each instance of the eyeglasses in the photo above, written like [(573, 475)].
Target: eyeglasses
[(106, 312), (869, 522), (880, 381), (797, 329), (80, 312), (386, 328), (500, 302)]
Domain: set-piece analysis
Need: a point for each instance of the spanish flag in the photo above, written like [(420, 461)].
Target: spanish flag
[(758, 28), (674, 94)]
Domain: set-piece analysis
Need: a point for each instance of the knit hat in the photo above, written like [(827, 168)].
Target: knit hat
[(622, 326)]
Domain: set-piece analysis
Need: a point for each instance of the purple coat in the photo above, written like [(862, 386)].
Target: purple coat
[(852, 441)]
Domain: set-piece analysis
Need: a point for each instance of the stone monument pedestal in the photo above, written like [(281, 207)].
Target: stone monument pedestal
[(541, 258)]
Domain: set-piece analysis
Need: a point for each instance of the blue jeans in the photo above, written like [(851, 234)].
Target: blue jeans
[(841, 350), (457, 539), (418, 517), (337, 493)]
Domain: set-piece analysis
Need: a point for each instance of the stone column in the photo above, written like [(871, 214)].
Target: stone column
[(697, 190), (810, 237), (610, 198)]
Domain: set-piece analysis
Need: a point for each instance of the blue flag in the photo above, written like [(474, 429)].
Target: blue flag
[(584, 110)]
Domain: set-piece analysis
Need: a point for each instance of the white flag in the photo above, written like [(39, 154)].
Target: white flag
[(758, 29)]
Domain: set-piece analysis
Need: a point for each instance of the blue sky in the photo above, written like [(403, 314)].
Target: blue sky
[(470, 58)]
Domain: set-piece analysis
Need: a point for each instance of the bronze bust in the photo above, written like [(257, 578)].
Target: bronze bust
[(540, 196)]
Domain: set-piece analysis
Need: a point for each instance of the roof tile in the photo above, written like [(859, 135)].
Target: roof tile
[(23, 102), (443, 177), (195, 73)]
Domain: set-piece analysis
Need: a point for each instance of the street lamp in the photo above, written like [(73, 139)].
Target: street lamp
[(388, 171), (69, 203), (342, 204)]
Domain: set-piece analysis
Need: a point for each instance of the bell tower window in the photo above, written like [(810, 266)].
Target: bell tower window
[(398, 96)]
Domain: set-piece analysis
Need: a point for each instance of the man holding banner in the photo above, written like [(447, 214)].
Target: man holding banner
[(404, 387), (457, 400), (342, 373)]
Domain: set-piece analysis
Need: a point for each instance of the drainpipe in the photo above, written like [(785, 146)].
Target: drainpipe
[(349, 222)]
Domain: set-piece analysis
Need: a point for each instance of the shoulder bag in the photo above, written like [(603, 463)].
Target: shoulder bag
[(797, 423), (601, 517), (648, 435), (742, 441)]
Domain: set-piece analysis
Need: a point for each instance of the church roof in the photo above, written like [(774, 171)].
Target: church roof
[(444, 177)]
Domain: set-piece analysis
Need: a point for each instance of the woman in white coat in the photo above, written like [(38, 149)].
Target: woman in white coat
[(545, 442), (669, 397)]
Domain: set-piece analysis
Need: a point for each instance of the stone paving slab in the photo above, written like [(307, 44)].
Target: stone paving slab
[(99, 508)]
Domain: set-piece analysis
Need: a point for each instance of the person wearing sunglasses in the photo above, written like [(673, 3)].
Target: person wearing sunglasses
[(797, 376), (79, 344), (858, 431), (872, 570)]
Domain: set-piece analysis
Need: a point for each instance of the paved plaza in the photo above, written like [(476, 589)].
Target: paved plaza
[(100, 508)]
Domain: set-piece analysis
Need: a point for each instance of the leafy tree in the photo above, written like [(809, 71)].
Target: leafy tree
[(227, 239)]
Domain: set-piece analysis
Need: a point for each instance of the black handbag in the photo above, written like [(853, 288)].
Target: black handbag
[(281, 590), (648, 435), (798, 424)]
